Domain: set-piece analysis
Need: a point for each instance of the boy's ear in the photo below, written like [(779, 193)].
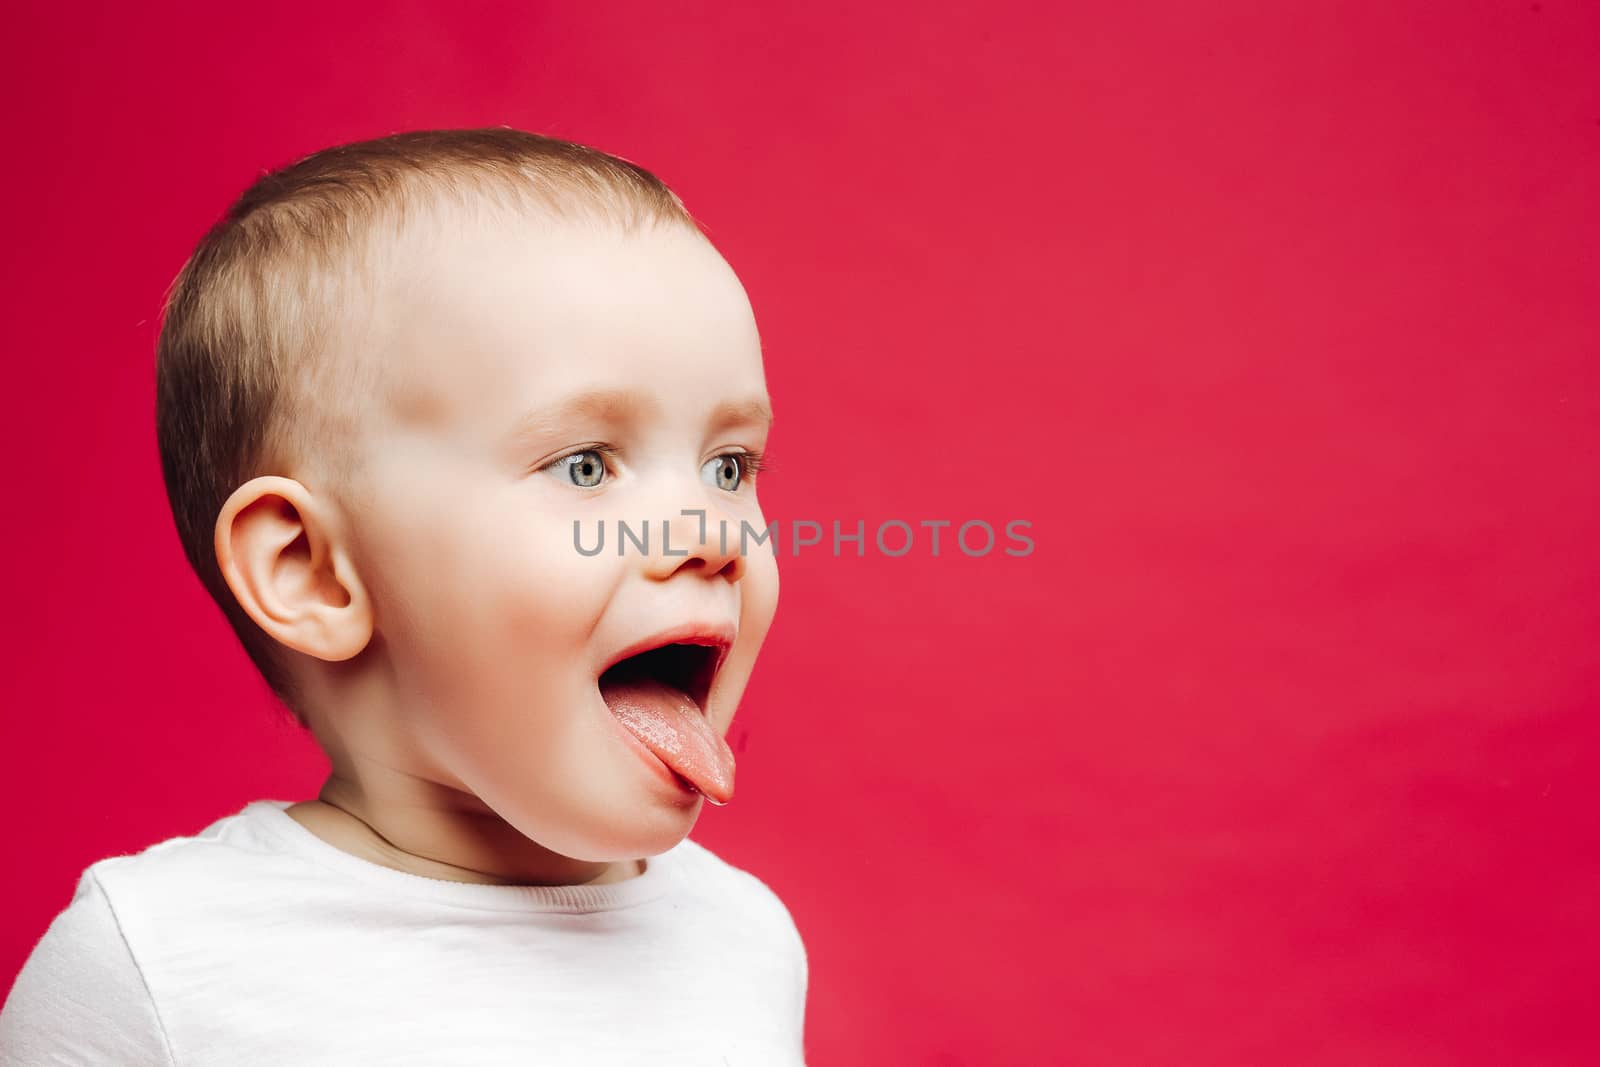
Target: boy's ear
[(280, 552)]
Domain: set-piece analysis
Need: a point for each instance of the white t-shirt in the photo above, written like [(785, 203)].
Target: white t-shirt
[(255, 942)]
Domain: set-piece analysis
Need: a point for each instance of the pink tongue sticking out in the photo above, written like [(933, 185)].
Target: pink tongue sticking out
[(672, 726)]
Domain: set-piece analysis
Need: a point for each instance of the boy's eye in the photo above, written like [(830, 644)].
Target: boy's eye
[(582, 469), (724, 472), (588, 468)]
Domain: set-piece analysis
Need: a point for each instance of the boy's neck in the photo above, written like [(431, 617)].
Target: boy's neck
[(350, 834)]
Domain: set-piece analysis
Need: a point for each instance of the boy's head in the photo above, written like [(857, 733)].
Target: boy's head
[(403, 388)]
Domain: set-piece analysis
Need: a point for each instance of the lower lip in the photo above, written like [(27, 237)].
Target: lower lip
[(659, 769)]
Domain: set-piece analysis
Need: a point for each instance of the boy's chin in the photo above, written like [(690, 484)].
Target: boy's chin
[(622, 832)]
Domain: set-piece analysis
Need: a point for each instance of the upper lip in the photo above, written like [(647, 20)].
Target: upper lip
[(717, 635)]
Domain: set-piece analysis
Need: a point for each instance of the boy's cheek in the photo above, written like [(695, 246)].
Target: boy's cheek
[(757, 606), (761, 583)]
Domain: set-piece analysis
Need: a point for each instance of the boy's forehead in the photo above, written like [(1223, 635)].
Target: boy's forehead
[(479, 312)]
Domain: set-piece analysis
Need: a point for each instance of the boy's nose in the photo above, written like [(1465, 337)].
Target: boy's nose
[(702, 537)]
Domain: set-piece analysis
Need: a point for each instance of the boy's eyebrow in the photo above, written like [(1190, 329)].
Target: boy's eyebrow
[(615, 405), (620, 405), (733, 412)]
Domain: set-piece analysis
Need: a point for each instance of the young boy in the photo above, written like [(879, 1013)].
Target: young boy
[(403, 388)]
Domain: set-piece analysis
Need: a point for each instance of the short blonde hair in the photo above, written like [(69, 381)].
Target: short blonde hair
[(250, 379)]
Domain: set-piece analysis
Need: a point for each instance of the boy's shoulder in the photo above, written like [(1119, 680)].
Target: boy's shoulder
[(235, 839), (84, 989), (699, 863)]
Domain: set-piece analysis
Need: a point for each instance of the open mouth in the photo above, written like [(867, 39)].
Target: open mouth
[(688, 668), (658, 692)]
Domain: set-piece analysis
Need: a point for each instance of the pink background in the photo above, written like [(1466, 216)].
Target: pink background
[(1278, 322)]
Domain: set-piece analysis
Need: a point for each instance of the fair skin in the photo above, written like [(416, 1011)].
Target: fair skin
[(448, 634)]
